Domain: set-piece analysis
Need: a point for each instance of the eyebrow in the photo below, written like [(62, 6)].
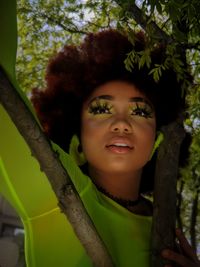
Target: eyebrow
[(107, 97), (141, 99), (132, 99)]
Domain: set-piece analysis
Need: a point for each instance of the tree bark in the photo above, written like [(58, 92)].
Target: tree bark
[(69, 201), (164, 215)]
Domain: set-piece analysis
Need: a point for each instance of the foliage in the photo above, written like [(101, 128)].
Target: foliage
[(46, 26)]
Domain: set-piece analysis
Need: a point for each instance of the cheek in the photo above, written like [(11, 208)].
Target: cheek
[(91, 126), (146, 133), (88, 129), (91, 133)]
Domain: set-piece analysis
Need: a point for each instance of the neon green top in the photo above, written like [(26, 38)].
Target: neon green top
[(49, 238)]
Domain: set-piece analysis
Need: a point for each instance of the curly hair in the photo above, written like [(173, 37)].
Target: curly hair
[(75, 71)]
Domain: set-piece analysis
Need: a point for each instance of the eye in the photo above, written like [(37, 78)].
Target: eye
[(100, 108), (142, 111)]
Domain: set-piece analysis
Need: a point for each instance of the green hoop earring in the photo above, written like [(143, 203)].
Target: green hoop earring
[(78, 157), (159, 139)]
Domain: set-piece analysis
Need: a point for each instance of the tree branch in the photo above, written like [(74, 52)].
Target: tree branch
[(54, 21), (164, 216), (60, 24), (143, 20), (68, 199)]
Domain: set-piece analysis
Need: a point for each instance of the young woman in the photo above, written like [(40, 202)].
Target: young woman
[(108, 119), (115, 114)]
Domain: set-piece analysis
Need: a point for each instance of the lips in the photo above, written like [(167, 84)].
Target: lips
[(120, 145)]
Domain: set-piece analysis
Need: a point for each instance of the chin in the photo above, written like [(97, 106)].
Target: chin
[(117, 165), (120, 168)]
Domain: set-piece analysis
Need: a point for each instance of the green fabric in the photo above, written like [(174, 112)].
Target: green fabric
[(49, 238)]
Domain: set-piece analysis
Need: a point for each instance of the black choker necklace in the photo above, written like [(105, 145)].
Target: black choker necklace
[(123, 202)]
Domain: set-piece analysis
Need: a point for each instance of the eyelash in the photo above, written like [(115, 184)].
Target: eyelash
[(142, 111), (100, 108)]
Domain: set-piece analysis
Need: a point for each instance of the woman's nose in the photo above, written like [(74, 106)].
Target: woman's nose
[(121, 126)]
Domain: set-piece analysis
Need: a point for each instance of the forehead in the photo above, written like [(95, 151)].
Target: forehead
[(118, 90)]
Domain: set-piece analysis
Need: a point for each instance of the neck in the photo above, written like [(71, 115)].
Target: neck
[(124, 186)]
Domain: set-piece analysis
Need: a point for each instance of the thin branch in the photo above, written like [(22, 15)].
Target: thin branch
[(40, 147), (144, 20), (91, 23), (164, 24), (56, 22), (60, 24)]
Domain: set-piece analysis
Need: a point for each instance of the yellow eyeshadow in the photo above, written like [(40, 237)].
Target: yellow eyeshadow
[(141, 109), (100, 107)]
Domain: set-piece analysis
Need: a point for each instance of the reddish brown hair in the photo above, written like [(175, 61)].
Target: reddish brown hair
[(74, 72)]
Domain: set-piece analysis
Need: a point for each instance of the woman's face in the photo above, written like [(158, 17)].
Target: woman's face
[(117, 128)]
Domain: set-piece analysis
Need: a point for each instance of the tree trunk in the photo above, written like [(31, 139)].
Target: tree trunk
[(164, 215), (40, 147)]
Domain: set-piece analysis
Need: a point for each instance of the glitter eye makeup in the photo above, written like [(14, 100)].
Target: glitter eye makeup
[(103, 105), (98, 107), (142, 109)]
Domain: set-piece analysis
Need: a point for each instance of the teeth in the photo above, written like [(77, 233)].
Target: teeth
[(120, 144)]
